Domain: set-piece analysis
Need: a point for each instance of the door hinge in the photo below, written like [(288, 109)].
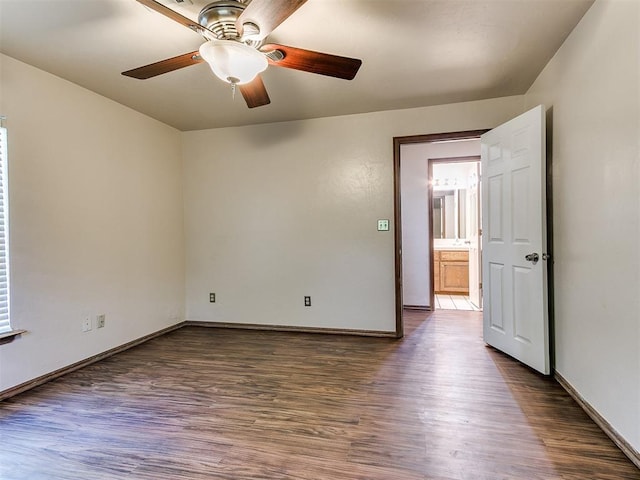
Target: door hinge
[(480, 285)]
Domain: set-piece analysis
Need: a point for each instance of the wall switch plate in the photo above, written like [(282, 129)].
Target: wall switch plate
[(212, 298), (100, 321), (307, 301), (383, 225)]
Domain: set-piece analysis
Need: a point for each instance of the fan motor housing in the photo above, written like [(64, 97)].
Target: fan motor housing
[(220, 17)]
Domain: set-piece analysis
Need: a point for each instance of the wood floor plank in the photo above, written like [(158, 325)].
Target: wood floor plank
[(201, 403)]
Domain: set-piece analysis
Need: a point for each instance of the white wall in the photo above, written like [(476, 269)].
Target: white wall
[(279, 211), (96, 222), (414, 171), (592, 88), (416, 258)]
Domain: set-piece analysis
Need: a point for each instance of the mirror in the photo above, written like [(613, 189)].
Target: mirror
[(449, 216)]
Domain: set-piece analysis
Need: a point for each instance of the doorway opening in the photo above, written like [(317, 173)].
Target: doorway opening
[(454, 230), (444, 145)]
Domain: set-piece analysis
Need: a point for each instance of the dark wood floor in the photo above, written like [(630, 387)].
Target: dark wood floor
[(204, 403)]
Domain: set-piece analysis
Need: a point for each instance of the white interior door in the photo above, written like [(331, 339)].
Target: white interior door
[(514, 239), (473, 234)]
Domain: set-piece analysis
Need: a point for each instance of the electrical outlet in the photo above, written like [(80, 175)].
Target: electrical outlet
[(212, 298), (86, 324), (100, 320), (307, 301)]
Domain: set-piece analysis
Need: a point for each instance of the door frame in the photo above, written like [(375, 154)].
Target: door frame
[(431, 162), (397, 211)]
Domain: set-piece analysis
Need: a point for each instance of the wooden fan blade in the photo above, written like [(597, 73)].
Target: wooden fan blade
[(255, 93), (175, 16), (267, 14), (314, 62), (164, 66)]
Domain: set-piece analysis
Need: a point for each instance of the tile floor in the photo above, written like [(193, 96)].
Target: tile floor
[(454, 302)]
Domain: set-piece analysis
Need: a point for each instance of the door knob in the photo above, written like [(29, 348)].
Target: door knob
[(532, 257)]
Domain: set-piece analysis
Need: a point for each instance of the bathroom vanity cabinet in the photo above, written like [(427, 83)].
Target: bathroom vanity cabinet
[(451, 271)]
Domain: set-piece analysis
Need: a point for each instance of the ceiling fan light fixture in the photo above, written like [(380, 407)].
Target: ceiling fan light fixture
[(232, 61)]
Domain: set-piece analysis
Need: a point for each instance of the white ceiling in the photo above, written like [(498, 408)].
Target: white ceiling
[(415, 53)]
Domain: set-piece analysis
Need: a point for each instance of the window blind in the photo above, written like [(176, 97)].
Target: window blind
[(4, 236)]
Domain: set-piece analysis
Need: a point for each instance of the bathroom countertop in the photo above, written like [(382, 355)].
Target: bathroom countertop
[(451, 247)]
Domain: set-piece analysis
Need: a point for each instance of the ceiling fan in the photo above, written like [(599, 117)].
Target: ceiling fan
[(235, 31)]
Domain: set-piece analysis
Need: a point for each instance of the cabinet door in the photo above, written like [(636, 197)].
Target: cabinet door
[(454, 277)]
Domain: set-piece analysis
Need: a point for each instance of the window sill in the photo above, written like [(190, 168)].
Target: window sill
[(10, 336)]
